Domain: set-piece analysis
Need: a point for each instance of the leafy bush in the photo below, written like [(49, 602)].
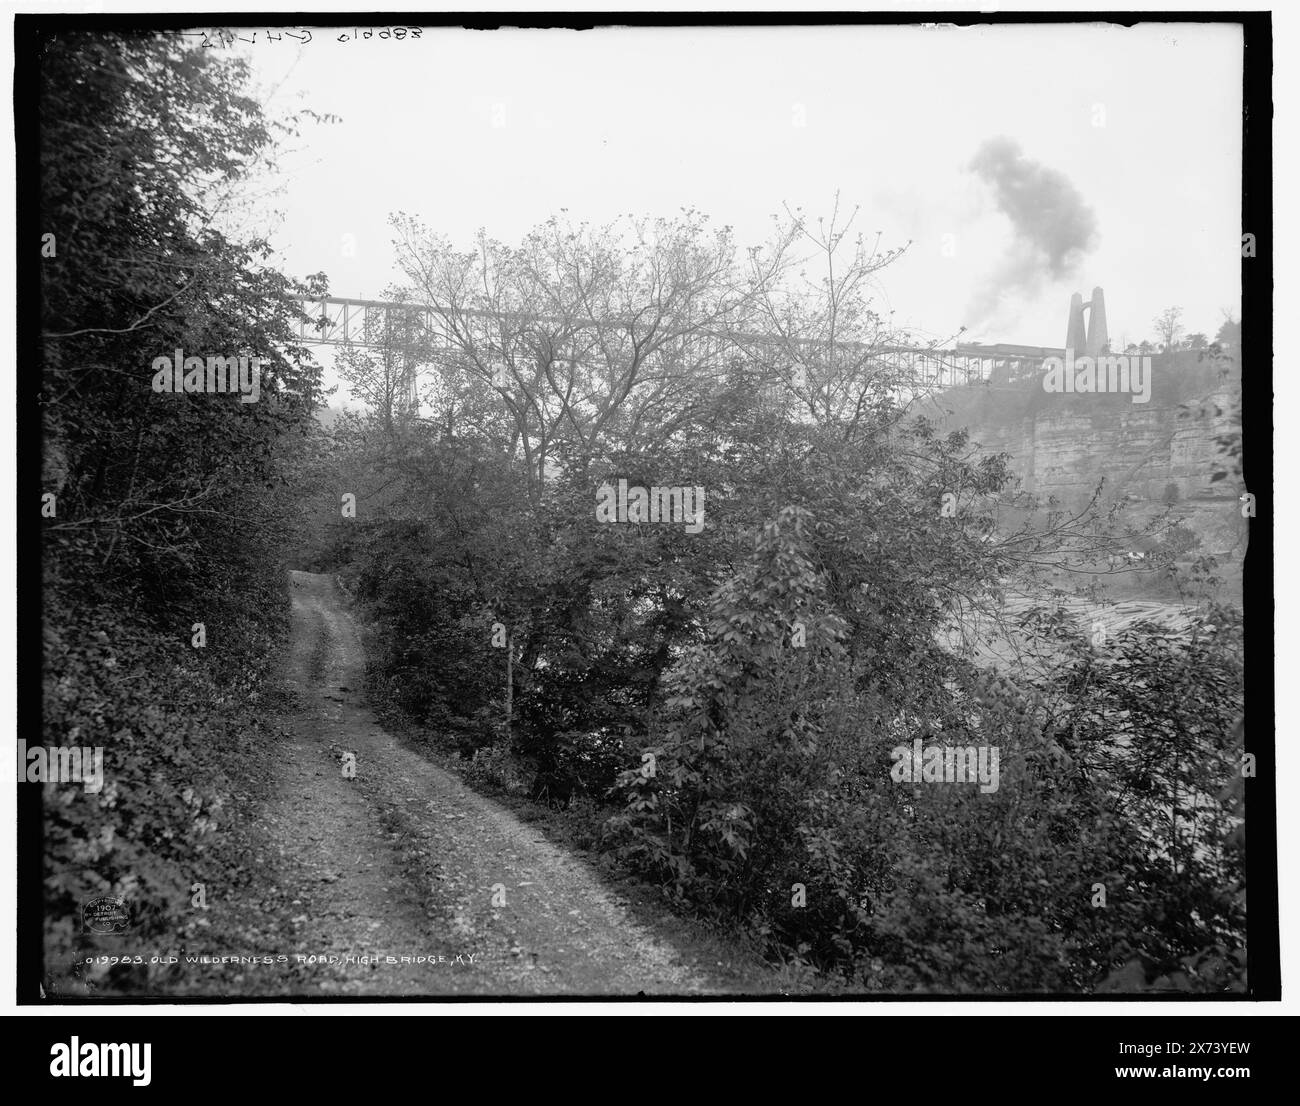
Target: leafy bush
[(180, 728), (495, 766), (772, 803)]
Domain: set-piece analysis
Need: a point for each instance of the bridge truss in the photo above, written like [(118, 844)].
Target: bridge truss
[(421, 334)]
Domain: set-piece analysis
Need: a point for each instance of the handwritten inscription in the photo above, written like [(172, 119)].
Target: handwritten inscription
[(398, 33), (216, 39)]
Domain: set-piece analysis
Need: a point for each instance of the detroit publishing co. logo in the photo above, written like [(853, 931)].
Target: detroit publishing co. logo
[(105, 915)]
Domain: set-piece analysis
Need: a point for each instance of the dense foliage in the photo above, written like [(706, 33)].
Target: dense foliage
[(727, 694), (161, 510), (724, 704)]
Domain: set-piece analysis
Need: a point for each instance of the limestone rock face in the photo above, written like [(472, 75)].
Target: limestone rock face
[(1155, 456)]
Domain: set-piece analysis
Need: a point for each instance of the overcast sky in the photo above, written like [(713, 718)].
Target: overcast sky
[(1137, 130)]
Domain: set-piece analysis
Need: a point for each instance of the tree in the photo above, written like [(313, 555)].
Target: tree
[(172, 508), (140, 139), (769, 663), (1169, 327), (827, 344), (1228, 336), (576, 340)]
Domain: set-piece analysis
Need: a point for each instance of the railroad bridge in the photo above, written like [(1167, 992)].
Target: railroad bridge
[(422, 334)]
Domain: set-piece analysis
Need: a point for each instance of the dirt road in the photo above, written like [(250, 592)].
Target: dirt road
[(405, 861)]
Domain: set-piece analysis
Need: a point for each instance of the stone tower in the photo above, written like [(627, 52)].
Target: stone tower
[(1094, 340), (1074, 334), (1098, 339)]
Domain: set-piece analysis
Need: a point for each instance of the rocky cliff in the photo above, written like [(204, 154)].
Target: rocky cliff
[(1155, 456)]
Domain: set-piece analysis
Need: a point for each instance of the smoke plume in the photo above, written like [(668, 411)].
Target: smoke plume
[(1053, 226)]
